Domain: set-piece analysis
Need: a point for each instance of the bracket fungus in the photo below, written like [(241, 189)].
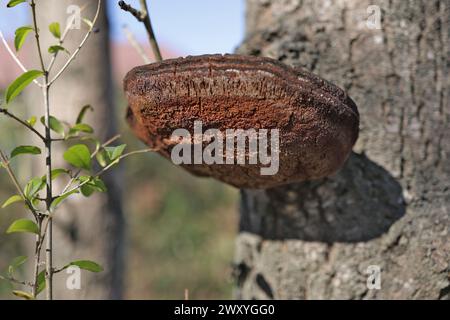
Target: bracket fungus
[(316, 122)]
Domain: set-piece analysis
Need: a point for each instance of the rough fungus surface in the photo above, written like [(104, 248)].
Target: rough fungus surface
[(318, 123)]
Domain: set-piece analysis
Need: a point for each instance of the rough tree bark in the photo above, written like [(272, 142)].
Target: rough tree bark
[(390, 205), (90, 228)]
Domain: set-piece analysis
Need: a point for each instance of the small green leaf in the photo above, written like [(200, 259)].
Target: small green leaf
[(115, 152), (23, 225), (13, 199), (34, 186), (23, 294), (20, 36), (40, 282), (60, 199), (57, 172), (55, 125), (102, 158), (78, 156), (21, 83), (93, 184), (55, 29), (25, 150), (83, 113), (55, 49), (16, 263), (86, 265), (14, 3), (83, 128), (32, 121)]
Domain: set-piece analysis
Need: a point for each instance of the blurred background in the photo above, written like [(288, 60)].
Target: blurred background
[(180, 229)]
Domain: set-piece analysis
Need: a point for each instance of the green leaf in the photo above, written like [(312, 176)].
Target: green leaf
[(14, 3), (102, 158), (13, 199), (83, 113), (86, 265), (55, 29), (55, 125), (23, 294), (57, 172), (32, 121), (20, 36), (21, 83), (25, 150), (60, 199), (94, 184), (34, 186), (83, 128), (23, 225), (56, 48), (16, 263), (40, 282), (115, 152), (78, 156)]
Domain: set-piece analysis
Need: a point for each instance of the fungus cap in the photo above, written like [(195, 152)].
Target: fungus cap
[(317, 122)]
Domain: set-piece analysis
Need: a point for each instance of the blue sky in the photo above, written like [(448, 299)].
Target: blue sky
[(190, 26)]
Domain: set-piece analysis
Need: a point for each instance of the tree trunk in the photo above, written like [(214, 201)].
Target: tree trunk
[(90, 228), (389, 206)]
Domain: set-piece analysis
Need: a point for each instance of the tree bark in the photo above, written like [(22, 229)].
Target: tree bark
[(85, 228), (390, 205)]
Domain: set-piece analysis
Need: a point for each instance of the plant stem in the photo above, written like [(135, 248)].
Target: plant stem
[(149, 28), (143, 16), (49, 198), (12, 116), (77, 50), (48, 165)]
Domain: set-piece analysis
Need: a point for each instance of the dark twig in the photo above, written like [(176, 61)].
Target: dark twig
[(144, 17)]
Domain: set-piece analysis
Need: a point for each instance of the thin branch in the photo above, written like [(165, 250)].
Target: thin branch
[(61, 40), (75, 176), (15, 58), (7, 113), (5, 162), (136, 45), (23, 283), (105, 169), (75, 53), (36, 34), (143, 16)]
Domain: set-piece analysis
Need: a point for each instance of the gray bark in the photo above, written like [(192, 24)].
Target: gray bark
[(390, 205), (86, 228)]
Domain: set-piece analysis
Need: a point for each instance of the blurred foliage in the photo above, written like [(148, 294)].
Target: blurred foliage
[(181, 229)]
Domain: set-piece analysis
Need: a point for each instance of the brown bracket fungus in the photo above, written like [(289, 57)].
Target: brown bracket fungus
[(317, 122)]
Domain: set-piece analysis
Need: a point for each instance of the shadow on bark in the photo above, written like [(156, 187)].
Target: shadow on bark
[(359, 203)]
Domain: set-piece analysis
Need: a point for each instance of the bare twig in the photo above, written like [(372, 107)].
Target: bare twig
[(75, 53), (136, 45), (61, 40), (144, 17), (9, 114), (15, 58), (36, 34)]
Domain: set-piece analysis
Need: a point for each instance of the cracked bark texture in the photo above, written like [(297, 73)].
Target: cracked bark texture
[(390, 204), (85, 228)]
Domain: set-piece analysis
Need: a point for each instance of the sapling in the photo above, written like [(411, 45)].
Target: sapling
[(40, 196)]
